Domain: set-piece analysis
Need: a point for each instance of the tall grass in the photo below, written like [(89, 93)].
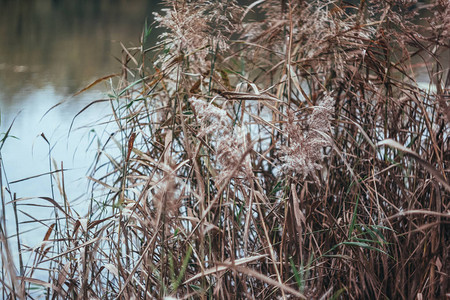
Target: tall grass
[(302, 154)]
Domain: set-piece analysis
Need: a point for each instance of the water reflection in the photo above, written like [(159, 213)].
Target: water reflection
[(62, 42), (50, 49)]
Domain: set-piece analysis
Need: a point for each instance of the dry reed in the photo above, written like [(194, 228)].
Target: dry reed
[(293, 156)]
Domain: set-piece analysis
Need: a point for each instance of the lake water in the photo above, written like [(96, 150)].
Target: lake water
[(50, 49)]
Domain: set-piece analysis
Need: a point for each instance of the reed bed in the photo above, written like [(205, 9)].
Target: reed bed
[(293, 149)]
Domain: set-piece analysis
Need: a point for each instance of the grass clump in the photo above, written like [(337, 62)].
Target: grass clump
[(300, 154)]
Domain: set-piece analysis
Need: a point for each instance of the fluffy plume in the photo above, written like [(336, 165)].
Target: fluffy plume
[(193, 26), (302, 154), (231, 142)]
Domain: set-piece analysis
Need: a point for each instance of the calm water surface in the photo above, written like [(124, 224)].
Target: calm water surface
[(49, 49)]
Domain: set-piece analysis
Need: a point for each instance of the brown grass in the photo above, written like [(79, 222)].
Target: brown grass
[(293, 156)]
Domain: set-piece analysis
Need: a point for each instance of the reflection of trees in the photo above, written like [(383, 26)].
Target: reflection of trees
[(65, 43)]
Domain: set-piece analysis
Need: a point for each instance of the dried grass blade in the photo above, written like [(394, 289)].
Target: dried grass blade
[(223, 266), (247, 96), (129, 54), (299, 216), (267, 280), (5, 135), (250, 7), (95, 82), (39, 175), (83, 109), (53, 202), (39, 282), (111, 188), (424, 163), (72, 249), (421, 212)]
